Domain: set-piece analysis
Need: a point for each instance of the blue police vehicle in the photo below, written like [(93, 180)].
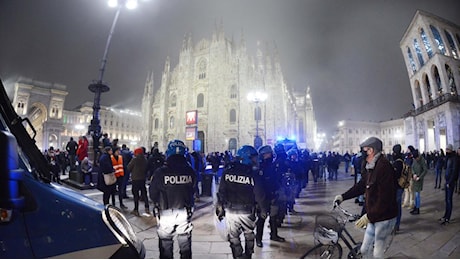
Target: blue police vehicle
[(41, 219)]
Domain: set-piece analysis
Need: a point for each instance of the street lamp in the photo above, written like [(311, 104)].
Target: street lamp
[(98, 86), (257, 97)]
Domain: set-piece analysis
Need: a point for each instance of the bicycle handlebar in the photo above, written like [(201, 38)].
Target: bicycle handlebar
[(352, 217)]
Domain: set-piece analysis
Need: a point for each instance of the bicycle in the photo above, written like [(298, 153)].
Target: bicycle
[(329, 228)]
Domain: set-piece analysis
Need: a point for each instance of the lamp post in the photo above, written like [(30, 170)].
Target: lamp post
[(98, 86), (257, 97)]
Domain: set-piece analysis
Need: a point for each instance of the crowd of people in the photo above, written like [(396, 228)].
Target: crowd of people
[(256, 185)]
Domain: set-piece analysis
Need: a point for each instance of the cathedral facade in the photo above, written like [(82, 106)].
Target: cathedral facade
[(203, 100)]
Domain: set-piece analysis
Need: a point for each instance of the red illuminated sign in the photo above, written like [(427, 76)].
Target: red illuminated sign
[(191, 117)]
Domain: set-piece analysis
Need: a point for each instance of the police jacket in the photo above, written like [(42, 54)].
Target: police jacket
[(271, 180), (241, 188), (173, 184), (379, 186)]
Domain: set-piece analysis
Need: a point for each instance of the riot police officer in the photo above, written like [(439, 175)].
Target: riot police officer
[(295, 174), (271, 184), (172, 191), (240, 189), (281, 170)]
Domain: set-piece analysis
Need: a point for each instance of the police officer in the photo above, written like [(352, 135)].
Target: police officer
[(281, 170), (271, 184), (295, 173), (172, 191), (240, 189)]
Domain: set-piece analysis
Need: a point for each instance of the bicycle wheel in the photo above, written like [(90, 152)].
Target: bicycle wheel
[(324, 252)]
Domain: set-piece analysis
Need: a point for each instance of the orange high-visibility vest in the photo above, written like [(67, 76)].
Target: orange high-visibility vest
[(118, 166)]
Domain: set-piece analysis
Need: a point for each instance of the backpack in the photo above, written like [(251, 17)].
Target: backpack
[(406, 175)]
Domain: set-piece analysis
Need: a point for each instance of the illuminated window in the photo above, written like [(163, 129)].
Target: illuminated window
[(411, 60), (419, 52), (426, 43), (438, 39), (451, 44)]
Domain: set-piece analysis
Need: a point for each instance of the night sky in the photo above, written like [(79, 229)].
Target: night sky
[(346, 51)]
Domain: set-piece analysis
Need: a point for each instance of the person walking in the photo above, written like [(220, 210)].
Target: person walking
[(127, 157), (409, 194), (138, 168), (452, 167), (71, 149), (171, 191), (419, 169), (379, 186), (117, 162), (271, 184)]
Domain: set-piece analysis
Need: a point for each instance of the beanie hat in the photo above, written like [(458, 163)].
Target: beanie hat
[(397, 149), (138, 151), (373, 142)]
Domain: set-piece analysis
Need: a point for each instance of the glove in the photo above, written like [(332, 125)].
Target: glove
[(220, 212), (263, 215), (362, 222), (338, 199)]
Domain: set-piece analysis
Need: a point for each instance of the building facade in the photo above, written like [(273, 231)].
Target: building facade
[(430, 47), (212, 81), (43, 104)]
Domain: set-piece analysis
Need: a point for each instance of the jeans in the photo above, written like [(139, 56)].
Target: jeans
[(449, 191), (375, 238), (438, 176), (417, 199), (399, 193)]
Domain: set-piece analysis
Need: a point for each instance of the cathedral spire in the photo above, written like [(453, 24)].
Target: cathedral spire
[(260, 57), (221, 30)]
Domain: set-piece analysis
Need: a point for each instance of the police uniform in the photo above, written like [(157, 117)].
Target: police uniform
[(240, 189), (271, 184), (172, 191)]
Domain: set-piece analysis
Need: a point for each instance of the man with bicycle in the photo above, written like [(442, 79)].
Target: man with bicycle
[(378, 183)]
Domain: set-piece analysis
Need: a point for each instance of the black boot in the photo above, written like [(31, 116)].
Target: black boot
[(415, 211), (274, 232)]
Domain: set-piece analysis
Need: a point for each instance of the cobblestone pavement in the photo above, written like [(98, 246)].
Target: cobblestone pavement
[(420, 236)]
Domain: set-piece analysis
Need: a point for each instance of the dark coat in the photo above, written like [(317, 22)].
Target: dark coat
[(379, 186)]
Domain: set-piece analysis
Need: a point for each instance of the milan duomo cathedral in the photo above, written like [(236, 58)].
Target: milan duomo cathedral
[(203, 100)]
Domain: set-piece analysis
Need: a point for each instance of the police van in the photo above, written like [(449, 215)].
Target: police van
[(41, 219)]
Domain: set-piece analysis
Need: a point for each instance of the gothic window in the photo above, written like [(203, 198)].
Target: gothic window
[(426, 43), (232, 116), (419, 52), (438, 39), (233, 92), (232, 145), (426, 80), (156, 124), (173, 100), (202, 69), (171, 122), (452, 85), (451, 44), (411, 60), (200, 100), (438, 80)]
